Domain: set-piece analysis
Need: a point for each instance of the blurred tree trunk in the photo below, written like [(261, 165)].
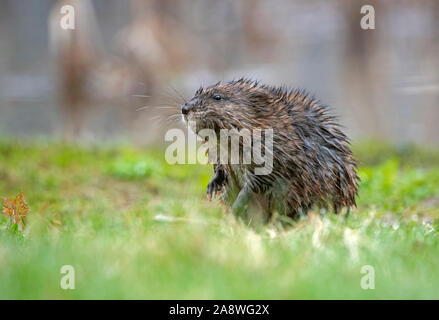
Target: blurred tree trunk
[(359, 72), (76, 53)]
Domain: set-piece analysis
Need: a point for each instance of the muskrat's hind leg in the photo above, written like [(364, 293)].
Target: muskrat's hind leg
[(242, 201)]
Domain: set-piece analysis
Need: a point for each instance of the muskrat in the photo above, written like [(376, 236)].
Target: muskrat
[(312, 161)]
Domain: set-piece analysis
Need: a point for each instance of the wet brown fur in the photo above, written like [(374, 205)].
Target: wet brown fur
[(312, 160)]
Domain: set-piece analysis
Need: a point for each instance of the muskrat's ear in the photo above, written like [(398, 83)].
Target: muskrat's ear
[(258, 98)]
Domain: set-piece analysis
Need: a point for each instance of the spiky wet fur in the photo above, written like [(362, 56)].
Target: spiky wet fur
[(312, 160)]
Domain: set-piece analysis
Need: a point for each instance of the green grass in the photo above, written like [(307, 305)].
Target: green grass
[(133, 226)]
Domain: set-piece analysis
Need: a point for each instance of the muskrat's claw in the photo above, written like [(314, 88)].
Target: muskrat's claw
[(213, 188), (215, 185)]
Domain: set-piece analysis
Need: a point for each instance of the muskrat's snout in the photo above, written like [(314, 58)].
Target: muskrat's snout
[(187, 107)]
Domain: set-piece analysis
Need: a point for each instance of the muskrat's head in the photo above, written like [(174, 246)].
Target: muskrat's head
[(232, 105)]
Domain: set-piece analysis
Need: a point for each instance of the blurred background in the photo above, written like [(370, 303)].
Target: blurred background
[(123, 71)]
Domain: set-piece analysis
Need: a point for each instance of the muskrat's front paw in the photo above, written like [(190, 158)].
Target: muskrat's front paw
[(213, 188)]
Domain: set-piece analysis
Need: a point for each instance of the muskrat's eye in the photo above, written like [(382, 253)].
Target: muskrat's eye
[(217, 97)]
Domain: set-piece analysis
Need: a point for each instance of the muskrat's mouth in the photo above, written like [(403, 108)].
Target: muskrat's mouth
[(194, 121), (197, 121)]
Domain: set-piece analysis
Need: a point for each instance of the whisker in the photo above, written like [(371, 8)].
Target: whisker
[(173, 118), (156, 117), (178, 93), (170, 96), (157, 107)]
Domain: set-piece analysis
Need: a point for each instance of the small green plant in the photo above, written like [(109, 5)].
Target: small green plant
[(133, 166)]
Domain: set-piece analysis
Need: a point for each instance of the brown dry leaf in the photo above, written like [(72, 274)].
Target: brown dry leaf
[(17, 209)]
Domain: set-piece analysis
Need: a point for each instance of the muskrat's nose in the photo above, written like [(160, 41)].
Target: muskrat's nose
[(185, 109)]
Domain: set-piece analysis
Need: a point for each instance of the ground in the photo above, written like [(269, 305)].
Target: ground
[(133, 226)]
